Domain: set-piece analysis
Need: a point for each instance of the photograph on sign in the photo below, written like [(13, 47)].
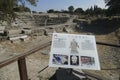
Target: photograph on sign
[(74, 51), (87, 60), (59, 59), (74, 60)]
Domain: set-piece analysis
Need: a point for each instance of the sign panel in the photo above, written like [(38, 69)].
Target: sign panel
[(74, 51)]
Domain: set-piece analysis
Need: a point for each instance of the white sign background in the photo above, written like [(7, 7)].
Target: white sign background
[(74, 51)]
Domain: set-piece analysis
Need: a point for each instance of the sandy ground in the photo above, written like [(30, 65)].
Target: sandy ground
[(12, 49)]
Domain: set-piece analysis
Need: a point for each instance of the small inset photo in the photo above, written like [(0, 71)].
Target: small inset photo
[(74, 60), (59, 59), (87, 60)]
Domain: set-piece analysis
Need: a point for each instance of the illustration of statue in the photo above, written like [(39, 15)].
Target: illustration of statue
[(74, 45)]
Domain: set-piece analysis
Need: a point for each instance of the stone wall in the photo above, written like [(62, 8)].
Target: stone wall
[(39, 19), (39, 24)]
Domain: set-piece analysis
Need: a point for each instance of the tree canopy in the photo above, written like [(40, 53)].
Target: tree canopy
[(32, 2), (51, 11), (95, 11), (71, 9), (79, 11), (113, 7), (7, 7)]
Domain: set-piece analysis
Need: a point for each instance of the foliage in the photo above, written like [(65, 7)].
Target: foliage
[(34, 12), (79, 11), (8, 7), (64, 11), (56, 11), (50, 11), (71, 9), (53, 11), (26, 9), (21, 9), (95, 11), (32, 2), (113, 7)]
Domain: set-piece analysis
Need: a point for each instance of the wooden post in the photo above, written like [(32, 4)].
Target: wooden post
[(22, 69)]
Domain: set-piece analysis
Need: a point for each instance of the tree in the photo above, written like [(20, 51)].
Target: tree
[(32, 2), (7, 8), (97, 10), (34, 12), (64, 11), (113, 7), (70, 9), (79, 11), (90, 11), (21, 9), (50, 11)]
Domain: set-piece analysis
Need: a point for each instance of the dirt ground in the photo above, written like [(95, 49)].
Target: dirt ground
[(109, 58)]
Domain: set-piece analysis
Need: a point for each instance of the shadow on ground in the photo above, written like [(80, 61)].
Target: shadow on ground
[(100, 26)]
